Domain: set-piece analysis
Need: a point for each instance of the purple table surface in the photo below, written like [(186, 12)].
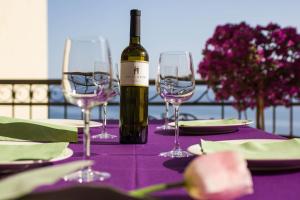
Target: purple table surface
[(136, 166)]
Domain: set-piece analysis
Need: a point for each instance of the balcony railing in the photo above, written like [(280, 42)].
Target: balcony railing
[(48, 93)]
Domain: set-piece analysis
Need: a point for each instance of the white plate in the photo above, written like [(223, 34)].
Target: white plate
[(70, 122), (213, 126), (6, 167), (258, 164)]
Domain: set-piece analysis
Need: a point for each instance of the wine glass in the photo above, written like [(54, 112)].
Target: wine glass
[(86, 82), (176, 84), (115, 90)]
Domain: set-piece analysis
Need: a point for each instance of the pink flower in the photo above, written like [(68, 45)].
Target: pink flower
[(218, 176), (290, 43), (263, 61)]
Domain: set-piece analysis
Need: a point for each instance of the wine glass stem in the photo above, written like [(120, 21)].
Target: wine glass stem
[(176, 141), (105, 117), (87, 136), (166, 113)]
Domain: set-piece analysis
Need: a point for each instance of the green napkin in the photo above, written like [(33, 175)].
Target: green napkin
[(12, 129), (43, 151), (23, 183), (254, 150), (217, 122)]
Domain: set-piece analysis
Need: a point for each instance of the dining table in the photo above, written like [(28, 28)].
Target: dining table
[(134, 166)]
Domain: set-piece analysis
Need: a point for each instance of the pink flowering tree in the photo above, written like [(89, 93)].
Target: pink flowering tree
[(257, 67)]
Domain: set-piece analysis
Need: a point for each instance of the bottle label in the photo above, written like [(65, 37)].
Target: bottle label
[(134, 74)]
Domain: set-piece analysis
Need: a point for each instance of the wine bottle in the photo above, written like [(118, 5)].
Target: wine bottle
[(134, 82)]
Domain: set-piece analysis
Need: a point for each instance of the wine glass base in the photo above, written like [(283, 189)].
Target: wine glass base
[(175, 153), (164, 127), (86, 176), (104, 136)]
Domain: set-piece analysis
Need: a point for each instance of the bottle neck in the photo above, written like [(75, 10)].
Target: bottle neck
[(135, 29), (135, 40)]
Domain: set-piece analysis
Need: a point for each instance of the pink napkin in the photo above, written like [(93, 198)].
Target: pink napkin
[(217, 176)]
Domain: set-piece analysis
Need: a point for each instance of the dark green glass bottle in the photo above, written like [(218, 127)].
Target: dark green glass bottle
[(134, 87)]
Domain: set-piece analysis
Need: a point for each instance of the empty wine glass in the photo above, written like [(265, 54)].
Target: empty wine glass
[(115, 90), (86, 82), (176, 84)]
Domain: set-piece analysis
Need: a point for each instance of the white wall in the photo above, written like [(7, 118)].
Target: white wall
[(23, 46)]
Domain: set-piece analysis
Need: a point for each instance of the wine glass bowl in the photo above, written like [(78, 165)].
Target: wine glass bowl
[(175, 83), (86, 71)]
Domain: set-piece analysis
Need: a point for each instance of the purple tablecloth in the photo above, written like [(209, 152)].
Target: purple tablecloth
[(135, 166)]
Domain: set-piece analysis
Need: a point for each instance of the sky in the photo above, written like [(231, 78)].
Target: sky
[(166, 25)]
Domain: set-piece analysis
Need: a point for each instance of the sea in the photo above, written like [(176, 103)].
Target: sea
[(283, 125)]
